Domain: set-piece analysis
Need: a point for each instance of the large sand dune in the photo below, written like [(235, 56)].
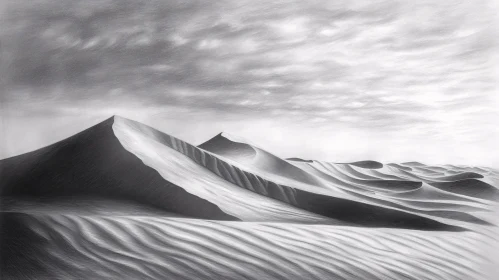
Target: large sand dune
[(94, 163), (122, 200)]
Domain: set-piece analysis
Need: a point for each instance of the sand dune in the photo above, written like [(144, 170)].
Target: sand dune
[(299, 160), (122, 200), (343, 172), (470, 187), (255, 159), (399, 166), (368, 164), (412, 164), (94, 163), (348, 177)]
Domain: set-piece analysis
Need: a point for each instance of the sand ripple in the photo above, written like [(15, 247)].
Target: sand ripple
[(94, 247)]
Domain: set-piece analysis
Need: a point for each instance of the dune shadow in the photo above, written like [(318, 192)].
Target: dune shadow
[(469, 187), (367, 215), (367, 164), (21, 249)]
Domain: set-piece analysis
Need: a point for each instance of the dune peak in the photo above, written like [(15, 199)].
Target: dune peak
[(234, 138)]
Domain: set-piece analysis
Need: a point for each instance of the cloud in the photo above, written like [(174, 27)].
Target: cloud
[(382, 66)]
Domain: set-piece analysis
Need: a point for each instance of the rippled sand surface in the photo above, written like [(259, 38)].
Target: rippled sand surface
[(145, 247)]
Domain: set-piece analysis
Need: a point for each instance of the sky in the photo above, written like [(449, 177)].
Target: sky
[(338, 81)]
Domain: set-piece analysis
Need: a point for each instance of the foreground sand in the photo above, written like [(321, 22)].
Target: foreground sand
[(147, 247)]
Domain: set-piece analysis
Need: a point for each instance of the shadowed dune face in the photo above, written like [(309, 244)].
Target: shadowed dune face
[(470, 187), (21, 249), (369, 215), (412, 163), (460, 176), (369, 164), (300, 160)]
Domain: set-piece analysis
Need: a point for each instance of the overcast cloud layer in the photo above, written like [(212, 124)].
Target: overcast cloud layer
[(330, 80)]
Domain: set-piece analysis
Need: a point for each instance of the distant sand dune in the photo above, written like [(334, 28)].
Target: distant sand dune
[(406, 168), (470, 187), (259, 160), (368, 164)]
